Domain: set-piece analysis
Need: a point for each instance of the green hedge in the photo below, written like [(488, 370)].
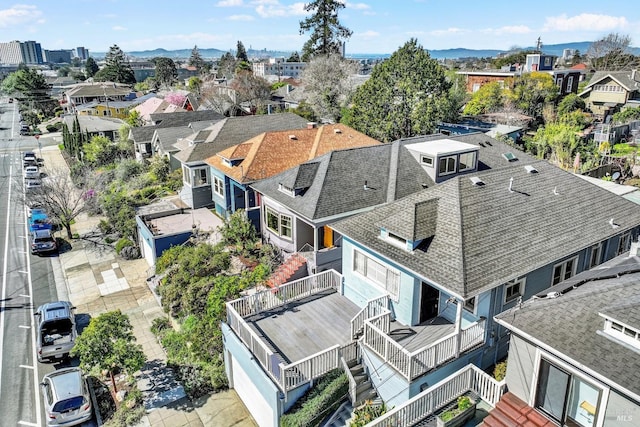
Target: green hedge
[(318, 402)]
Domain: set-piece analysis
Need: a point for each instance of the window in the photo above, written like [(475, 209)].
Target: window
[(547, 61), (513, 290), (565, 397), (396, 240), (622, 332), (377, 272), (278, 223), (447, 165), (186, 175), (623, 243), (596, 255), (200, 177), (470, 305), (218, 186), (426, 160), (476, 87), (467, 161), (564, 270), (569, 84)]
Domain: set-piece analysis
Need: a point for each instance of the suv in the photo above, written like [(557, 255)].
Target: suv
[(56, 333), (29, 159), (42, 241), (66, 397)]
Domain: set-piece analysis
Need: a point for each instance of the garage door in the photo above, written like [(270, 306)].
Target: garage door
[(146, 251), (251, 397)]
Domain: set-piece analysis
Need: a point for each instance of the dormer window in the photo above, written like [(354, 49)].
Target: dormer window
[(286, 190), (622, 332), (227, 162), (467, 161), (447, 165), (397, 240)]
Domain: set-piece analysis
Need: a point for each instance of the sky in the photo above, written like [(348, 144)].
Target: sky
[(379, 26)]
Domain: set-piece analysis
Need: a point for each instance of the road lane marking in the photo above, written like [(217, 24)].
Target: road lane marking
[(26, 423), (4, 275), (23, 272), (27, 367), (24, 326), (24, 296)]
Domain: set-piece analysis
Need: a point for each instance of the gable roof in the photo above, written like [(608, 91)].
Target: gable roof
[(390, 171), (179, 118), (141, 134), (487, 235), (151, 106), (571, 326), (623, 78), (98, 89), (165, 138), (273, 152), (93, 123), (235, 130)]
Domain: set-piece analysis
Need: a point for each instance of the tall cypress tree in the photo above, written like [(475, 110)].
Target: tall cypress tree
[(117, 68), (327, 33)]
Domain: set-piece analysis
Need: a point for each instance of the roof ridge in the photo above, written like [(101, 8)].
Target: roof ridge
[(459, 212)]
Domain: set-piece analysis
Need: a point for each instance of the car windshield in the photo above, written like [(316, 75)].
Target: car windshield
[(44, 240), (68, 404)]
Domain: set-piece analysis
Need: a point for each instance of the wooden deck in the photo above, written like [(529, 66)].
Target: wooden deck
[(416, 337), (326, 318)]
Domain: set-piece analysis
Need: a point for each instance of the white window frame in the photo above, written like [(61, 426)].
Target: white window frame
[(446, 160), (624, 243), (471, 165), (563, 272), (218, 186), (470, 305), (520, 284), (186, 175), (622, 332), (281, 228), (569, 84), (427, 160), (377, 272), (194, 179), (595, 256)]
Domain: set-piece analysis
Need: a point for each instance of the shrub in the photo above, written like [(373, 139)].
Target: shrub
[(464, 403), (367, 413), (123, 243), (318, 402), (500, 371), (160, 325), (51, 128), (105, 226)]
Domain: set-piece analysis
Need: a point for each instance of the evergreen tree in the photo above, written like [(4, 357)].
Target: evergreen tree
[(195, 60), (117, 69), (91, 67), (241, 52), (166, 71), (295, 57), (407, 95), (326, 32)]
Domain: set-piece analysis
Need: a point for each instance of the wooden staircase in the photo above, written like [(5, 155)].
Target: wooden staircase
[(511, 411), (294, 267)]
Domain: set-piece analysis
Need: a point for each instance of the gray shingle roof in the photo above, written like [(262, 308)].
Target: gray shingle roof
[(184, 117), (235, 130), (142, 134), (623, 77), (487, 235), (570, 324), (167, 137)]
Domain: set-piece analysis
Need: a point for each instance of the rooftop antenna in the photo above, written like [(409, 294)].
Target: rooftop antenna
[(555, 191), (539, 45), (511, 185), (366, 187)]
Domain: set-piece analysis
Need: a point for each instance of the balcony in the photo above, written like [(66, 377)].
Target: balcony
[(300, 331)]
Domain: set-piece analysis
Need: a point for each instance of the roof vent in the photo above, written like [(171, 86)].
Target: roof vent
[(481, 144), (510, 157), (477, 181), (530, 169), (489, 143), (337, 131), (293, 136)]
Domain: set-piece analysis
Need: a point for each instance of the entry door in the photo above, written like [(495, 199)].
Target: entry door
[(429, 299), (328, 237)]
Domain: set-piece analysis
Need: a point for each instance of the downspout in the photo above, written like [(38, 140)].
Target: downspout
[(458, 326)]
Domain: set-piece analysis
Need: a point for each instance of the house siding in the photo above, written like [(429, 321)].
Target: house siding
[(303, 233), (521, 367), (221, 203), (621, 411)]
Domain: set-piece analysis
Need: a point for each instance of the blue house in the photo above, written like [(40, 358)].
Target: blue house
[(422, 278)]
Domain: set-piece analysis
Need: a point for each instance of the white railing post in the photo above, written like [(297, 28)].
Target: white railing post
[(458, 327)]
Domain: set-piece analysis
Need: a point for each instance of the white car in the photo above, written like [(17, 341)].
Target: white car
[(31, 172), (32, 184), (66, 397)]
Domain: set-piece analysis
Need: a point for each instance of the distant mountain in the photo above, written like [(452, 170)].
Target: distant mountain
[(209, 53)]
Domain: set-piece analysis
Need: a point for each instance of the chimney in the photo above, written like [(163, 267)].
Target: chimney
[(312, 125), (635, 249)]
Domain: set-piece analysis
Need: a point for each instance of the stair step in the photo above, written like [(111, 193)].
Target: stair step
[(510, 411)]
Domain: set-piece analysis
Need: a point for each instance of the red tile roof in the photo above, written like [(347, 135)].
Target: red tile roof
[(511, 411)]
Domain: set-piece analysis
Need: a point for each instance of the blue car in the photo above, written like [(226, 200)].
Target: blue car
[(38, 220)]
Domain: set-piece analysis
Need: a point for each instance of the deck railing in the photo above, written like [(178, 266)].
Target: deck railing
[(283, 294), (353, 385), (414, 364), (436, 397), (374, 307)]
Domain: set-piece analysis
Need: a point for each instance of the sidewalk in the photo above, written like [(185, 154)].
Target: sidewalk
[(96, 281)]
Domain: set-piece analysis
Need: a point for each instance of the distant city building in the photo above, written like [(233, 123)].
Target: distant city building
[(11, 53), (31, 52), (81, 53), (58, 56), (278, 67)]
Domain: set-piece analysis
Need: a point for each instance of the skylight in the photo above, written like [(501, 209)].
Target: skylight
[(509, 156), (530, 169)]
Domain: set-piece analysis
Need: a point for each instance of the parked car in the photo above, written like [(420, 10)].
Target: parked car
[(56, 323), (31, 172), (66, 397), (10, 100), (31, 185), (42, 241), (29, 159)]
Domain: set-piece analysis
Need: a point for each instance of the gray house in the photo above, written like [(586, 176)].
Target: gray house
[(574, 355)]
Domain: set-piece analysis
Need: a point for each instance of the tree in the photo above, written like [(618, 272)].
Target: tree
[(108, 344), (328, 85), (457, 96), (64, 71), (62, 199), (489, 98), (327, 33), (134, 119), (519, 57), (195, 85), (295, 57), (241, 52), (195, 60), (101, 151), (610, 53), (166, 72), (226, 65), (557, 141), (570, 103), (238, 232), (32, 90), (250, 91), (406, 95), (117, 69), (531, 91)]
